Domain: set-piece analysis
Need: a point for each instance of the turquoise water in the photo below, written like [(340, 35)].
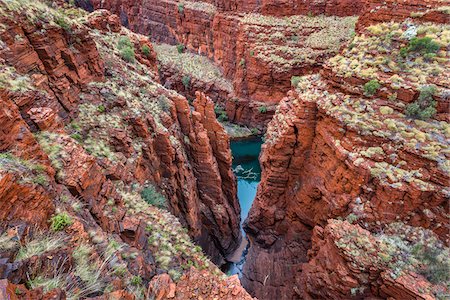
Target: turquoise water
[(248, 173)]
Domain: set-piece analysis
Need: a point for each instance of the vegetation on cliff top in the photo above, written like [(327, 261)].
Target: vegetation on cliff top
[(399, 248), (196, 66), (284, 43), (399, 55), (90, 259)]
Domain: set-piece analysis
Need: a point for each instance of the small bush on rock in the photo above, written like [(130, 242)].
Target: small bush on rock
[(153, 197), (262, 109), (371, 87), (423, 45), (295, 80), (127, 54), (186, 80), (62, 22), (181, 8), (126, 49), (60, 221), (145, 50), (180, 48), (425, 106)]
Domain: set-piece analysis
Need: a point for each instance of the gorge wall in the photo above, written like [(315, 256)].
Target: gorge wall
[(337, 150), (258, 57), (88, 139)]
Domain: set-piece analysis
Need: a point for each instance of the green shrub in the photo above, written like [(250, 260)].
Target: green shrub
[(163, 103), (223, 117), (404, 52), (295, 80), (124, 42), (221, 114), (371, 87), (181, 8), (60, 221), (101, 108), (145, 50), (423, 45), (254, 131), (262, 109), (153, 197), (126, 49), (136, 280), (425, 106), (76, 136), (40, 179), (62, 22), (180, 48), (127, 54), (186, 80)]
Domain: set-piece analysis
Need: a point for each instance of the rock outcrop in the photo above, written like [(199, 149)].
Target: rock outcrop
[(106, 176), (351, 143), (187, 73), (358, 264)]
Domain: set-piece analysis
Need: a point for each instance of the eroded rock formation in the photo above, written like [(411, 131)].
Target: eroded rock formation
[(338, 149), (91, 139), (258, 57)]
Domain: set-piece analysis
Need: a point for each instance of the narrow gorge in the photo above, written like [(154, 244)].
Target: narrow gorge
[(222, 149)]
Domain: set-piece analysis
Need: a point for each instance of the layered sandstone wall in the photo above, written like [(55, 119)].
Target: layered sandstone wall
[(85, 130), (424, 11), (336, 150), (293, 7), (243, 45)]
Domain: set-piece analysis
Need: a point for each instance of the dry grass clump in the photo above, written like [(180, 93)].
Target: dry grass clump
[(29, 171), (40, 244), (11, 80)]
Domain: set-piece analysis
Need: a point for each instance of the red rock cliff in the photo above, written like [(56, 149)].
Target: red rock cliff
[(244, 45), (85, 130), (338, 149)]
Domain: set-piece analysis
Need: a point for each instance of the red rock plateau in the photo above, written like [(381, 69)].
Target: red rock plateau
[(106, 177)]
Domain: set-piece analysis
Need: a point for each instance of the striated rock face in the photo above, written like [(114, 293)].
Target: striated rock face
[(92, 145), (293, 7), (336, 149), (246, 45), (423, 11), (83, 175)]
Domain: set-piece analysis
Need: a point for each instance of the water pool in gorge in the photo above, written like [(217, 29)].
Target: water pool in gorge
[(248, 173)]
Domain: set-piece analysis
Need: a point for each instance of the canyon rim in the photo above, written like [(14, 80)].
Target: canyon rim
[(222, 149)]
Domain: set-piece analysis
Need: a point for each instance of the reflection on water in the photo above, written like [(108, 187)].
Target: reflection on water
[(248, 172)]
